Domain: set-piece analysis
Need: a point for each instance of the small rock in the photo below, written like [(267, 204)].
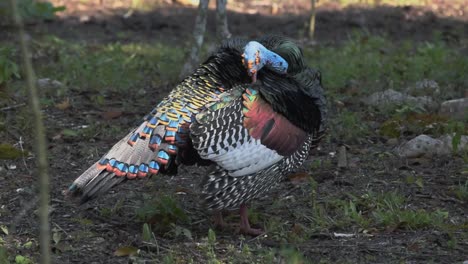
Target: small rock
[(12, 167), (392, 97), (457, 108), (423, 146), (46, 83), (424, 87)]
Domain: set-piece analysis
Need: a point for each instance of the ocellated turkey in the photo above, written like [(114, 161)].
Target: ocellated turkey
[(253, 109)]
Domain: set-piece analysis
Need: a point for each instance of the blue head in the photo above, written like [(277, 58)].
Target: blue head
[(256, 56)]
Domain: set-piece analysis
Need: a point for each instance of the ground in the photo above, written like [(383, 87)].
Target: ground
[(381, 208)]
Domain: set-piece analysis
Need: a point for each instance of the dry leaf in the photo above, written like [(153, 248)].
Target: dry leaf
[(64, 105), (111, 114), (299, 177), (297, 229), (126, 251), (181, 190)]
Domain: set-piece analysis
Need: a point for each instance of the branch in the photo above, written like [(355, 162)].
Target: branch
[(41, 148), (313, 12)]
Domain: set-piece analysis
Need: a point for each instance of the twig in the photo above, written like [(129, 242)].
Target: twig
[(41, 148), (6, 108), (20, 143)]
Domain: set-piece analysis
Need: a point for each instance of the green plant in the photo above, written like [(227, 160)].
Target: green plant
[(8, 68), (353, 215), (212, 259), (348, 127), (390, 211), (31, 10), (461, 191), (19, 259), (457, 129), (164, 211), (292, 256)]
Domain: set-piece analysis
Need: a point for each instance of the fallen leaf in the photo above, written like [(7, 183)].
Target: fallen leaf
[(69, 133), (4, 229), (64, 105), (297, 229), (126, 251), (56, 237), (28, 244), (298, 177), (147, 234), (111, 114), (8, 151)]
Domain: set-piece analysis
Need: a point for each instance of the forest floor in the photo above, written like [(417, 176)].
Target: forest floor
[(112, 69)]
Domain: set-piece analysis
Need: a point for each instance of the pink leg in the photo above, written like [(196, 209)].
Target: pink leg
[(245, 225), (218, 220)]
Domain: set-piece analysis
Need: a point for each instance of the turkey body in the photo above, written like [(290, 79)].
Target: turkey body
[(252, 134)]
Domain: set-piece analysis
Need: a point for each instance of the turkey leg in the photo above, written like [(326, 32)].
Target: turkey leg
[(218, 220), (245, 225)]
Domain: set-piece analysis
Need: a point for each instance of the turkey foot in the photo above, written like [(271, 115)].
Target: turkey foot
[(245, 225)]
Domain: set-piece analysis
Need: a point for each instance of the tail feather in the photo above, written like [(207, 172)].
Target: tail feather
[(100, 184), (132, 157)]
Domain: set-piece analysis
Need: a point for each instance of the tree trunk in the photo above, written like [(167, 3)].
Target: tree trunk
[(312, 20), (222, 30), (198, 35)]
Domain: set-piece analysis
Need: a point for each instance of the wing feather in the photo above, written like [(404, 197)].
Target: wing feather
[(243, 134)]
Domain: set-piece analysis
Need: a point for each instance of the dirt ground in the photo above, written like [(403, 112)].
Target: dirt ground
[(86, 235)]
